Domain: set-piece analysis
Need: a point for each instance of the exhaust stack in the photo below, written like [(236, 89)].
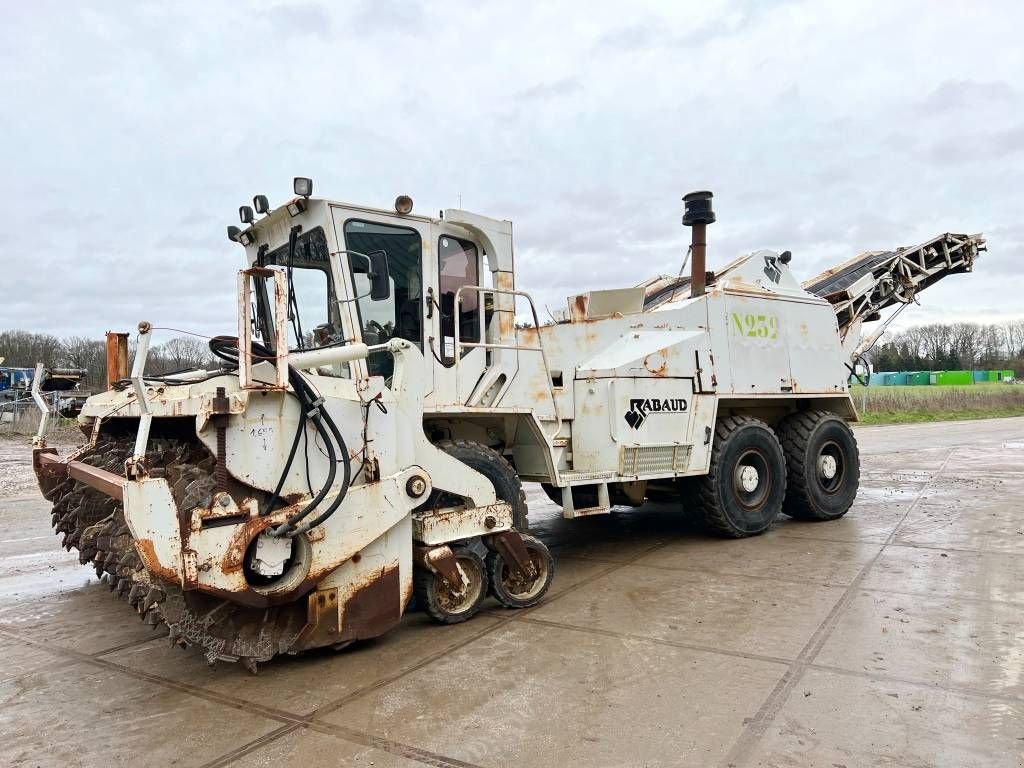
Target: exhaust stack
[(697, 214), (117, 357)]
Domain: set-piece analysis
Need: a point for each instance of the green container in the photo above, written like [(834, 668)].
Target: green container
[(953, 378), (920, 378), (993, 376)]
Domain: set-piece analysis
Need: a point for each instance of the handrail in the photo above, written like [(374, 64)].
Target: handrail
[(460, 345)]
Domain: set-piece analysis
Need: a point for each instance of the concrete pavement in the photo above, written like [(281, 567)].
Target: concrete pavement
[(894, 636)]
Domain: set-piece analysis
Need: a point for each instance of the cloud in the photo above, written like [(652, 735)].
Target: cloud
[(967, 94), (299, 20), (135, 132), (381, 18), (545, 91)]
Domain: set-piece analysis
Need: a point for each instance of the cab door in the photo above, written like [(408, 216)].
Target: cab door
[(457, 316), (403, 313)]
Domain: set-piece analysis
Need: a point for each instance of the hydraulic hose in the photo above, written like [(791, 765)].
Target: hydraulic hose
[(313, 413), (310, 407)]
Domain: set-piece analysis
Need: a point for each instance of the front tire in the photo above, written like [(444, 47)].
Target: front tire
[(493, 466), (823, 466), (743, 491)]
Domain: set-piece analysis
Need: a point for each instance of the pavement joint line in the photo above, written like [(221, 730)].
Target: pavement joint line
[(965, 550), (875, 538), (937, 596), (742, 750), (731, 574), (310, 721), (126, 646), (961, 690), (513, 615), (252, 746), (288, 718), (351, 735), (656, 641), (387, 745), (194, 690)]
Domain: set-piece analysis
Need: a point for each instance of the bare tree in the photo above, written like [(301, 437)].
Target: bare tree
[(1014, 333), (21, 349), (181, 353), (90, 354)]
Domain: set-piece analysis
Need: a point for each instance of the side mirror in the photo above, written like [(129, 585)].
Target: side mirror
[(376, 270), (380, 278)]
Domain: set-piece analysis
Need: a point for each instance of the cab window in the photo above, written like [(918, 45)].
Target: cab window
[(458, 266)]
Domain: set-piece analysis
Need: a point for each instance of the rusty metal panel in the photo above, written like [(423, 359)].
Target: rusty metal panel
[(103, 481), (455, 523), (117, 357)]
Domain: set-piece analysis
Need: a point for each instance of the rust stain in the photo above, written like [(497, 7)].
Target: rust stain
[(323, 620), (652, 359), (373, 608), (147, 552), (243, 535), (578, 308)]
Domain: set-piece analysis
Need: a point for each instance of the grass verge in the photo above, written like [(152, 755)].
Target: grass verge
[(920, 417), (911, 405)]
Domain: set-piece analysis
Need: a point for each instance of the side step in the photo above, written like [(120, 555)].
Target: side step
[(603, 507)]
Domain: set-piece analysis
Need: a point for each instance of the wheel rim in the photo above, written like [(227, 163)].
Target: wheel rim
[(752, 481), (830, 467), (454, 601), (523, 587)]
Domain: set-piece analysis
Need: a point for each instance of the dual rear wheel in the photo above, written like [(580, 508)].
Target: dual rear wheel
[(808, 467)]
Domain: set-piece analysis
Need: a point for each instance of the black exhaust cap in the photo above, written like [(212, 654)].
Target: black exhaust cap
[(698, 209)]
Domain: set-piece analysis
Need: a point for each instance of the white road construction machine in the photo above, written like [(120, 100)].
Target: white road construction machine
[(365, 436)]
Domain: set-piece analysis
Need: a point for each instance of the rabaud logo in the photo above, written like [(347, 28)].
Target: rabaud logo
[(641, 408)]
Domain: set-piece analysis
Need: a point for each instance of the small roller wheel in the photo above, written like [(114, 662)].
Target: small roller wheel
[(453, 603), (514, 590)]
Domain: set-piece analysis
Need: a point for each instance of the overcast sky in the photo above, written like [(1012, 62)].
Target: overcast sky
[(133, 131)]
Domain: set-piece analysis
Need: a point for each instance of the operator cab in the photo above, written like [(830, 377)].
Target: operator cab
[(358, 274)]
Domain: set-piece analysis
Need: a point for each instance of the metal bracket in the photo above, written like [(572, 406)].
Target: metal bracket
[(441, 560), (509, 544), (136, 465), (39, 441)]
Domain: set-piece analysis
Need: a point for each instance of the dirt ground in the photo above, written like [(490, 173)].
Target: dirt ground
[(892, 637)]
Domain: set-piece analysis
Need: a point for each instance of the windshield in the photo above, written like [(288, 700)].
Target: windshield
[(313, 317)]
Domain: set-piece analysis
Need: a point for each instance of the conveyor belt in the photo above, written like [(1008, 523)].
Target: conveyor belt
[(866, 284)]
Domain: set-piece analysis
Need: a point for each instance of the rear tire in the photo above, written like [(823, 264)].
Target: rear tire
[(493, 466), (823, 466), (743, 491)]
